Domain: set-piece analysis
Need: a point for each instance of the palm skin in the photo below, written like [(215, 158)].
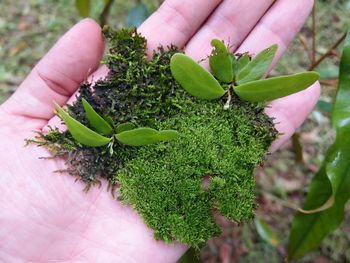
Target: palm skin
[(46, 216)]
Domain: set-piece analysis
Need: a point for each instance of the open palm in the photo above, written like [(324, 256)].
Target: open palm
[(45, 216)]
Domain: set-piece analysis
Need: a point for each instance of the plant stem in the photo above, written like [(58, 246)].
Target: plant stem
[(105, 13), (280, 201), (305, 45), (229, 98), (329, 52), (313, 53)]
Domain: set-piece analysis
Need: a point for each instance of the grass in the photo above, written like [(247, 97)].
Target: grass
[(30, 27)]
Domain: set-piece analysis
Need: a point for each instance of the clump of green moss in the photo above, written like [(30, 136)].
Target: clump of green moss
[(175, 186)]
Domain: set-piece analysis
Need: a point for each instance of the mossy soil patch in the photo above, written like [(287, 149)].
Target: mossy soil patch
[(175, 186)]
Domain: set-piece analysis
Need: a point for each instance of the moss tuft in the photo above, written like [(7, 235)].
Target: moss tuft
[(175, 186), (165, 182)]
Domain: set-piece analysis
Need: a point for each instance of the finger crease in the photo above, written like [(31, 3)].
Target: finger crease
[(275, 34), (56, 85), (170, 13)]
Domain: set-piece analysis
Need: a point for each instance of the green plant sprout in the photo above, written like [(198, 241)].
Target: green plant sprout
[(125, 133), (200, 83), (238, 74), (170, 98)]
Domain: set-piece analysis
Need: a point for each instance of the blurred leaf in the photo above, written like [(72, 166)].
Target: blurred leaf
[(137, 15), (221, 61), (105, 12), (274, 88), (328, 72), (256, 68), (297, 147), (96, 121), (332, 180), (18, 48), (241, 63), (194, 78), (83, 7), (324, 106), (145, 136), (80, 132), (109, 119), (266, 233), (191, 256), (125, 127)]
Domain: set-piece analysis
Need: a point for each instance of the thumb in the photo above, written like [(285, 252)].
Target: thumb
[(57, 75)]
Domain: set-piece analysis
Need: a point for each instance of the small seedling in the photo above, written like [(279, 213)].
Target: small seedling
[(125, 133), (224, 133), (239, 74)]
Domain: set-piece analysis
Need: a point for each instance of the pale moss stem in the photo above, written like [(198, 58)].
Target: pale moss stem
[(229, 98)]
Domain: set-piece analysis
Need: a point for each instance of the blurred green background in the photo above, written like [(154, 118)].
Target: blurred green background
[(28, 28)]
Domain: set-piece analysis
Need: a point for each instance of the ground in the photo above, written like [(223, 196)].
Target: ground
[(29, 28)]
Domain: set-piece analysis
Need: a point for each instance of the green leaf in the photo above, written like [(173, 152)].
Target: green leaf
[(332, 180), (324, 106), (109, 119), (191, 256), (266, 233), (83, 7), (145, 136), (125, 127), (96, 121), (220, 61), (219, 46), (80, 132), (256, 68), (137, 15), (167, 135), (242, 62), (274, 88), (195, 79)]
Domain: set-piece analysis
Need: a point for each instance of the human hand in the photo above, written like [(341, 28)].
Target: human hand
[(45, 216)]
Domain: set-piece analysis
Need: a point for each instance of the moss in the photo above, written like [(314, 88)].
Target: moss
[(165, 181), (174, 186)]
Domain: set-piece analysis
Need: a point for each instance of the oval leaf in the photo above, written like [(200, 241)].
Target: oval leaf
[(220, 61), (195, 79), (266, 233), (83, 7), (125, 127), (256, 68), (167, 135), (80, 132), (219, 46), (145, 136), (96, 121), (274, 88), (242, 61), (108, 119)]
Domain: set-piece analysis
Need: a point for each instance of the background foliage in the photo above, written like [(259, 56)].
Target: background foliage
[(29, 28)]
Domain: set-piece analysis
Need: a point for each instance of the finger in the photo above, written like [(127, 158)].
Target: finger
[(290, 112), (55, 121), (279, 26), (176, 21), (173, 23), (231, 21), (58, 75)]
